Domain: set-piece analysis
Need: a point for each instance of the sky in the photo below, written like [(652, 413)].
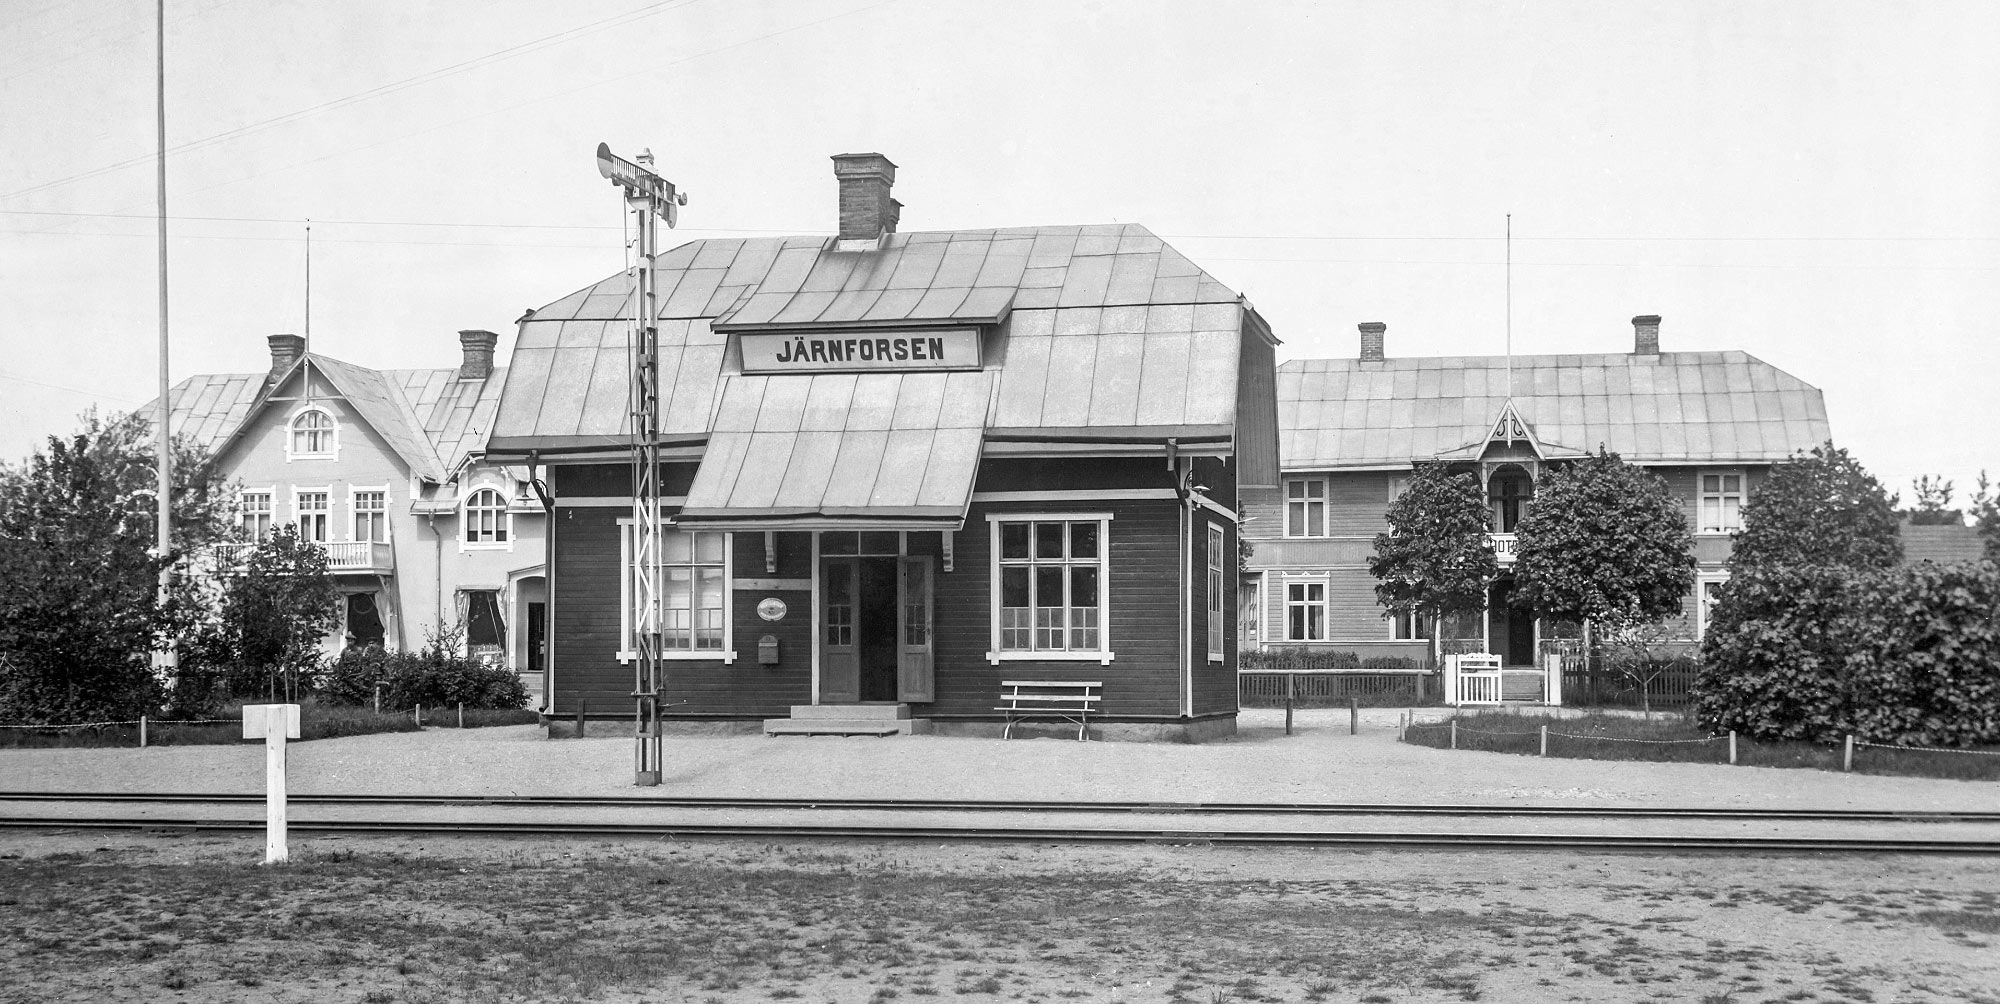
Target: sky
[(1814, 183)]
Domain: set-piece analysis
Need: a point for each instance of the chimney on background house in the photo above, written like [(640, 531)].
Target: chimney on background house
[(1371, 341), (866, 210), (1646, 335), (478, 346), (285, 350)]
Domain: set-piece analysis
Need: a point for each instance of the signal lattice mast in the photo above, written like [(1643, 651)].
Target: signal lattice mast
[(648, 197)]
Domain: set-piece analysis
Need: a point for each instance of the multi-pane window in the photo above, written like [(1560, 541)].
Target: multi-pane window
[(256, 515), (486, 517), (692, 598), (371, 516), (1710, 592), (312, 433), (1215, 580), (312, 516), (1721, 502), (1052, 585), (1305, 507), (1305, 611)]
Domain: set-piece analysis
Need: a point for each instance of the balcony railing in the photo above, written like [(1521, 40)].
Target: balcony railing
[(341, 555), (1503, 547)]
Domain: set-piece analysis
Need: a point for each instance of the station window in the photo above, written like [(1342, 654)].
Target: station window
[(1050, 574), (691, 583), (1305, 507), (1721, 501), (1305, 611), (1216, 542)]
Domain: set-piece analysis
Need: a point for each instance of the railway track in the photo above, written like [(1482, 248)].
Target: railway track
[(997, 805), (523, 820)]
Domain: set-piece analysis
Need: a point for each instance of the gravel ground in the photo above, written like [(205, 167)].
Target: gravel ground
[(1321, 762)]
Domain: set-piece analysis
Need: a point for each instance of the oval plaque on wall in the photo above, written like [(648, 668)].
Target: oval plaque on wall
[(771, 608)]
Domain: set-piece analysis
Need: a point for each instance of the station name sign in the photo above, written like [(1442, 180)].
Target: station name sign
[(867, 350)]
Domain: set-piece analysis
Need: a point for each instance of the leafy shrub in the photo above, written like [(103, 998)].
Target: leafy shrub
[(437, 676), (1303, 657), (1908, 656)]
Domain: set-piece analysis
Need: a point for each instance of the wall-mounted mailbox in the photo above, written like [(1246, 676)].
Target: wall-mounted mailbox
[(767, 650)]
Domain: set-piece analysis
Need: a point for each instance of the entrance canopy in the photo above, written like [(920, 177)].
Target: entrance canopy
[(842, 451)]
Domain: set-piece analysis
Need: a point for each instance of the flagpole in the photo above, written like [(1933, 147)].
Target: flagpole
[(164, 446)]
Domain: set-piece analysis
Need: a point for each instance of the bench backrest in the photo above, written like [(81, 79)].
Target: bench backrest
[(1045, 692)]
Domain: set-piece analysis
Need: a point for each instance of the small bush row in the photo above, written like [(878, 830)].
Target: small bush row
[(1304, 657)]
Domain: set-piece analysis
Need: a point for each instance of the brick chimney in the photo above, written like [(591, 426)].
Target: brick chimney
[(1371, 341), (478, 346), (285, 350), (1646, 335), (866, 210)]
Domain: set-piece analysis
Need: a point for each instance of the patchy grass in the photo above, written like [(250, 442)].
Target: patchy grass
[(1670, 738), (316, 721), (381, 920)]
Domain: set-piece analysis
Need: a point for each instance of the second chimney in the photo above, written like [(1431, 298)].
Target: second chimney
[(478, 346), (1646, 335), (285, 350), (1371, 341), (866, 210)]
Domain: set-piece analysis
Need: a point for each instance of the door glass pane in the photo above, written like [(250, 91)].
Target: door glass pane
[(916, 611), (840, 604), (1014, 540), (1083, 540)]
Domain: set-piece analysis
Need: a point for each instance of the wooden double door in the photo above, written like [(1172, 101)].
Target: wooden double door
[(875, 630)]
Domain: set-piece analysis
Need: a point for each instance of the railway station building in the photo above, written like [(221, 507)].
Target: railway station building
[(1710, 423), (901, 470)]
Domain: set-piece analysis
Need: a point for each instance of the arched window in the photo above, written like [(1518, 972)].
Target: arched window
[(312, 434), (1509, 492), (486, 517)]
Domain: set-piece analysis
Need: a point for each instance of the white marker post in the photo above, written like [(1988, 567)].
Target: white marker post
[(273, 723)]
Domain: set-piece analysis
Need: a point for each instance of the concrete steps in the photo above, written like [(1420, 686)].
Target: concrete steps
[(875, 719)]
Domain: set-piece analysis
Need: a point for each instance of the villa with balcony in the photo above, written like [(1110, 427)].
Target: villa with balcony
[(385, 471), (1351, 431)]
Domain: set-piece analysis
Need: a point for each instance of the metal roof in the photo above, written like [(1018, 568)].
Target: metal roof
[(880, 445), (432, 420), (1160, 358), (1664, 408)]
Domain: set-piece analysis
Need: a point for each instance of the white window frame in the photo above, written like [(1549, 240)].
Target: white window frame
[(1308, 603), (1103, 654), (1702, 495), (298, 511), (332, 451), (1306, 500), (628, 649), (269, 494), (354, 510), (504, 521), (1702, 581), (1217, 592)]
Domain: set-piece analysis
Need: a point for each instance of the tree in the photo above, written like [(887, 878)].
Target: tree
[(1605, 542), (1818, 508), (275, 611), (1986, 516), (80, 614), (1933, 503), (1434, 560)]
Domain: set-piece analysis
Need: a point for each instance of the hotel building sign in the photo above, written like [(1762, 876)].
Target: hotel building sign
[(892, 349)]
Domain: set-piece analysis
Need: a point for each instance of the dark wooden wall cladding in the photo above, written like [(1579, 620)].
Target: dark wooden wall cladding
[(613, 480), (1038, 474)]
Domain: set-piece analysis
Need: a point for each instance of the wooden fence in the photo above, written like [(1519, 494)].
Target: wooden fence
[(1330, 689), (1597, 687)]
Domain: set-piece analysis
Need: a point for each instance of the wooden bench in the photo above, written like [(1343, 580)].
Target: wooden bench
[(1068, 701)]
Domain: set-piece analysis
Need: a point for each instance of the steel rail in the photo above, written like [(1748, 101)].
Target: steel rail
[(1242, 838), (995, 805)]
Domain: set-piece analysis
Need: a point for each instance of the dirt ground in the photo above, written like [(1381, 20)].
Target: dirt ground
[(157, 917)]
